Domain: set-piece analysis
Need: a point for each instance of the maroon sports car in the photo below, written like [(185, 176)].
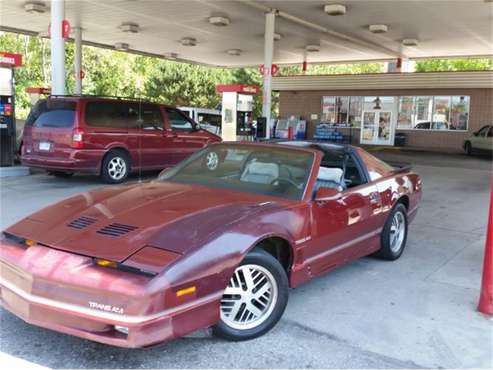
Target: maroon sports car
[(216, 241)]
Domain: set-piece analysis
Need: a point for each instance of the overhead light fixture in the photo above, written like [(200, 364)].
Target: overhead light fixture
[(35, 7), (234, 52), (219, 21), (121, 46), (335, 9), (130, 27), (378, 28), (410, 42), (172, 56), (188, 41), (277, 36), (312, 48)]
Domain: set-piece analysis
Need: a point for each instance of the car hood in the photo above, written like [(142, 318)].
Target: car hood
[(115, 222)]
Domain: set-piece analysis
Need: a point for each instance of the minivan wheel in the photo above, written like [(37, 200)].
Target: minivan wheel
[(255, 298), (115, 167), (468, 148)]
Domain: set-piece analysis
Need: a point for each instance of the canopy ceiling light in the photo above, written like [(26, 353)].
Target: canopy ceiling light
[(35, 7), (130, 27), (121, 46), (335, 9), (188, 41), (378, 28), (312, 48), (219, 21), (234, 52), (410, 42), (277, 36)]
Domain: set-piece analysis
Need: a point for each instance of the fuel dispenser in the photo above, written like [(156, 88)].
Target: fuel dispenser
[(8, 62), (237, 111)]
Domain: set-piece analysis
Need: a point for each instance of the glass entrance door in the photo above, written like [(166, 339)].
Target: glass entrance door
[(377, 128)]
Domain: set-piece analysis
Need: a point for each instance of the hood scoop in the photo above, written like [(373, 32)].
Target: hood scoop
[(81, 222), (116, 229)]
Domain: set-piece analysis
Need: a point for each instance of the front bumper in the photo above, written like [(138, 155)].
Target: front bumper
[(29, 293)]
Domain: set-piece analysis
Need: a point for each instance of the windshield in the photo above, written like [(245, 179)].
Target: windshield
[(279, 172)]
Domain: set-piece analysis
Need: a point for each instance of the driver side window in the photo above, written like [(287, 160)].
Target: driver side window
[(178, 121)]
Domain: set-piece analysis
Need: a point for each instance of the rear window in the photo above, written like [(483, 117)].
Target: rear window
[(112, 114), (52, 113)]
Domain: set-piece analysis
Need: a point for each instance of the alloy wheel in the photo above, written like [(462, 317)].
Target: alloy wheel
[(212, 161), (117, 168), (397, 231), (250, 297)]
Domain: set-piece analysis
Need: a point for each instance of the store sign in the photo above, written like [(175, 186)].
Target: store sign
[(10, 60), (66, 29)]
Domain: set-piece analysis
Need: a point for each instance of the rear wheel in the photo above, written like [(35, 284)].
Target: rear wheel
[(254, 299), (468, 148), (115, 167), (394, 234)]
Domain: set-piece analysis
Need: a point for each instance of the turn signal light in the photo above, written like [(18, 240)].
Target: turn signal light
[(105, 263), (185, 291), (29, 242)]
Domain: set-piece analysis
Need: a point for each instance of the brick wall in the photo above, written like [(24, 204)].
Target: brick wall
[(305, 103)]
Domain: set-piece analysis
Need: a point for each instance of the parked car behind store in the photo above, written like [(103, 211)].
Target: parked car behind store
[(208, 119), (481, 140), (108, 136)]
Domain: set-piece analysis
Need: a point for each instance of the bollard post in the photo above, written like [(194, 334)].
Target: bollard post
[(486, 298)]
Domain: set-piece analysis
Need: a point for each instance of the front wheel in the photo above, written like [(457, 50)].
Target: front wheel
[(468, 148), (254, 299), (394, 234)]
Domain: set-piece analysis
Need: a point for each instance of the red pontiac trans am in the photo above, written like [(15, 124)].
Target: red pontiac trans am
[(216, 241)]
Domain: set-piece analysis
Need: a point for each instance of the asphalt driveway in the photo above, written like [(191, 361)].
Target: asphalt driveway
[(419, 311)]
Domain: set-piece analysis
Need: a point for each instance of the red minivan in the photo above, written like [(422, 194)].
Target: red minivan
[(108, 136)]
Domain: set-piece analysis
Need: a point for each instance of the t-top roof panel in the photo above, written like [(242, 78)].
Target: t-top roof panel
[(442, 28)]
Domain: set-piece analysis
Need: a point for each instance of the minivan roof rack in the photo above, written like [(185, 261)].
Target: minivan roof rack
[(97, 96)]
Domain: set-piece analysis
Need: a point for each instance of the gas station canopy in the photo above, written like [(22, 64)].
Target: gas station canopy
[(231, 33)]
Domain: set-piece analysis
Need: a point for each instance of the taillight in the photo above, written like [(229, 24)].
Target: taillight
[(77, 139)]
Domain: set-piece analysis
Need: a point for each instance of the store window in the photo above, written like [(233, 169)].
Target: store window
[(342, 110), (355, 110), (433, 112)]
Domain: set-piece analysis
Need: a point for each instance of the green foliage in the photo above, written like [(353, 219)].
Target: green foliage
[(113, 73)]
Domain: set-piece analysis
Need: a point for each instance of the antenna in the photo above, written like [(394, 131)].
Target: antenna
[(141, 128)]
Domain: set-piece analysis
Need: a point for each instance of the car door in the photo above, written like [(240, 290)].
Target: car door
[(483, 140), (346, 227), (184, 134), (154, 143)]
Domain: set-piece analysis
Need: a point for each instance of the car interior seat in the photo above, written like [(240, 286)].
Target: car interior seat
[(260, 172), (329, 178)]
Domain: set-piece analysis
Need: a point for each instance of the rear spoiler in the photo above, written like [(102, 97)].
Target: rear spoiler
[(400, 167)]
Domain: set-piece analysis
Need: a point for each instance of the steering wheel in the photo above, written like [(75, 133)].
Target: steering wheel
[(289, 181)]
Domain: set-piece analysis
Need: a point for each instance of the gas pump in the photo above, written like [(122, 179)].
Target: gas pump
[(8, 62), (237, 111)]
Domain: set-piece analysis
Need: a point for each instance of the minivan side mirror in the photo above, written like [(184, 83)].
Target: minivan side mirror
[(326, 194)]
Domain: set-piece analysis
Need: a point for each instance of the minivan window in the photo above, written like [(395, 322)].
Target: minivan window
[(178, 120), (112, 114), (151, 117), (52, 113), (210, 119)]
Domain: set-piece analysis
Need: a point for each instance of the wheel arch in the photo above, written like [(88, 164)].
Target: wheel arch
[(279, 248), (404, 200), (116, 149)]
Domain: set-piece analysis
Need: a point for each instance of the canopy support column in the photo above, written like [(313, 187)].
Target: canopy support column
[(270, 19), (78, 60), (57, 48)]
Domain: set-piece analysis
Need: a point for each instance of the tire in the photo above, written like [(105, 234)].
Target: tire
[(468, 148), (61, 174), (389, 249), (115, 167), (272, 280)]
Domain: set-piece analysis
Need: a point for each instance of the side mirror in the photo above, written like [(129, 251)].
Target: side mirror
[(326, 194)]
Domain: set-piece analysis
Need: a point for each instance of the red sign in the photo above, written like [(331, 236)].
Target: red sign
[(242, 89), (10, 59), (80, 75), (273, 69), (38, 90), (66, 29)]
